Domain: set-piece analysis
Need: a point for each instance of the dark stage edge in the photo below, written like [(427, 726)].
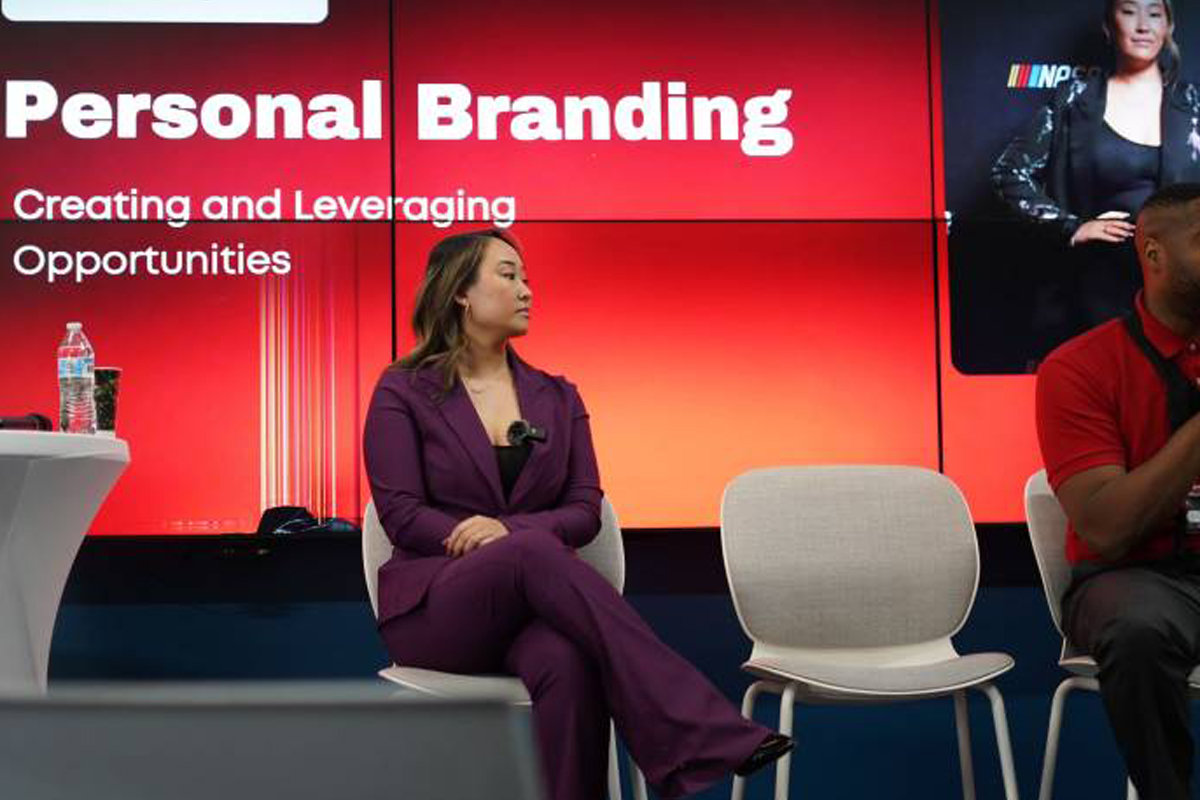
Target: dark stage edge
[(308, 568)]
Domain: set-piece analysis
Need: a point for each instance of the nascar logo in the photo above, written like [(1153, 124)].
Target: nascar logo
[(1046, 76)]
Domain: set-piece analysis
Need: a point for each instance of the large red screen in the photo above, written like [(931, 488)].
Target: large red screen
[(719, 310)]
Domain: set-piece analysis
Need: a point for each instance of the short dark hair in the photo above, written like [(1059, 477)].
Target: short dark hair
[(1172, 195)]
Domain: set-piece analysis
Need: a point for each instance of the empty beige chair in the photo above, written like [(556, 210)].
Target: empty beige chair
[(606, 553), (850, 581), (1048, 533)]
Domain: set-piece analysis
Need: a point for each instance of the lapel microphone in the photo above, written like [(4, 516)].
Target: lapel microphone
[(521, 432)]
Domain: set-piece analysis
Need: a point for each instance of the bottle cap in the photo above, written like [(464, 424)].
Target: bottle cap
[(74, 326)]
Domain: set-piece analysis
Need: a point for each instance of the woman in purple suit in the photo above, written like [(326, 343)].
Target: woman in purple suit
[(484, 477)]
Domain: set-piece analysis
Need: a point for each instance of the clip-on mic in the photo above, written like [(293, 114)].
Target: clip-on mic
[(521, 431)]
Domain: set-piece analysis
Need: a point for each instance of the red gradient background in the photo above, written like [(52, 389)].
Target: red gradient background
[(706, 349), (189, 351), (853, 158), (804, 328)]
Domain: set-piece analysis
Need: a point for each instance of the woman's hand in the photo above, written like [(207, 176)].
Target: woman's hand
[(1111, 226), (472, 533)]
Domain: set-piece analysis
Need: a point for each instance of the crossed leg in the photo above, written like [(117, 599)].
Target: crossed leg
[(490, 610)]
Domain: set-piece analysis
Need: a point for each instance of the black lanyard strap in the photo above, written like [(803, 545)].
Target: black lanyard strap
[(1183, 398)]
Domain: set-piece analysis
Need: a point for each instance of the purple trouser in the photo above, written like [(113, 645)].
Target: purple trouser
[(527, 605)]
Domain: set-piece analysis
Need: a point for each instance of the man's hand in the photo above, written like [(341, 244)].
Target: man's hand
[(472, 533)]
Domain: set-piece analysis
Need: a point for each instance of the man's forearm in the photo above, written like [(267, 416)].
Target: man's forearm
[(1123, 510)]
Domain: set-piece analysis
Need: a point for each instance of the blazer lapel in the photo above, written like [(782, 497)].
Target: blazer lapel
[(463, 420), (537, 410)]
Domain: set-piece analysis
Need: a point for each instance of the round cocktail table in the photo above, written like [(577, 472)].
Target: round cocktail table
[(51, 485)]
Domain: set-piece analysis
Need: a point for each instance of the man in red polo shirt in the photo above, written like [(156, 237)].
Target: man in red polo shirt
[(1120, 436)]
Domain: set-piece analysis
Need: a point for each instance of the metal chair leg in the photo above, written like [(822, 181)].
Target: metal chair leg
[(614, 768), (1003, 744), (962, 725), (1050, 759), (739, 784), (639, 781), (783, 767)]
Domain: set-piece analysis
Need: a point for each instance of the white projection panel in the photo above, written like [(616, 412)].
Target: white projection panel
[(258, 11)]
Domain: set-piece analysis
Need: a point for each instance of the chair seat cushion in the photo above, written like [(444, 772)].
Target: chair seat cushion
[(922, 680), (1086, 667), (1083, 666), (452, 684)]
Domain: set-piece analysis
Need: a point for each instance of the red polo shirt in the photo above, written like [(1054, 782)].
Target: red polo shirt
[(1100, 402)]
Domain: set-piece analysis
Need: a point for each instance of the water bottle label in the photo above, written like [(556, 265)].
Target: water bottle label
[(76, 367)]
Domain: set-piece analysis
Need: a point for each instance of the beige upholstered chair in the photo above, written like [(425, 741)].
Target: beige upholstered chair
[(1048, 532), (606, 553), (850, 581)]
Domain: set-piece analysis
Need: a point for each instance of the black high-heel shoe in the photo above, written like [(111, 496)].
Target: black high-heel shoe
[(772, 749)]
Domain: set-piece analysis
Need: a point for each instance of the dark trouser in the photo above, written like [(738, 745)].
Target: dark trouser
[(527, 605), (1142, 625)]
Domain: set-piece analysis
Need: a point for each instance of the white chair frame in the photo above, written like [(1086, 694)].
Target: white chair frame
[(780, 667)]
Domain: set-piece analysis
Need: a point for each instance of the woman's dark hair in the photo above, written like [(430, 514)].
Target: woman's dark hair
[(437, 320), (1169, 57)]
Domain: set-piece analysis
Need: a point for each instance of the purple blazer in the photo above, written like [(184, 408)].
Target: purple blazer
[(430, 464)]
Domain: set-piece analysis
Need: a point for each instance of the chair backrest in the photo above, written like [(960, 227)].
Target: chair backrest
[(376, 550), (1048, 533), (848, 556), (606, 553)]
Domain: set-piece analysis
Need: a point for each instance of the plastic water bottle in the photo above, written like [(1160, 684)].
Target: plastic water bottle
[(76, 382)]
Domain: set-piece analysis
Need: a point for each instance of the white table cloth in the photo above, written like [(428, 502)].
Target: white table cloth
[(51, 486)]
